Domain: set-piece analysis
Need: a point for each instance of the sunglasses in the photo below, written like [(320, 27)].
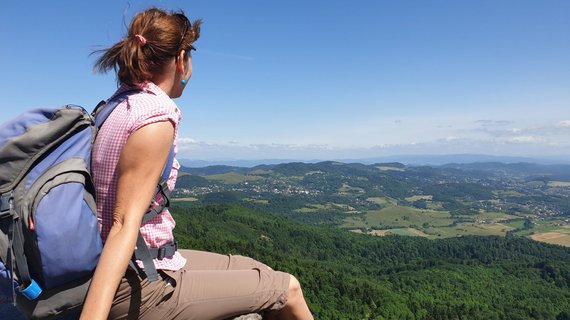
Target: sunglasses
[(187, 25)]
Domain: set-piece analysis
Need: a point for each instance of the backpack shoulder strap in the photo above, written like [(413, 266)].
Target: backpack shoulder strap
[(105, 108)]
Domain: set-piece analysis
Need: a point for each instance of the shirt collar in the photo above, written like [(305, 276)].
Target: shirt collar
[(147, 86)]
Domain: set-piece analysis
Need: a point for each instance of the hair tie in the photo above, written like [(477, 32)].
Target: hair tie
[(142, 40)]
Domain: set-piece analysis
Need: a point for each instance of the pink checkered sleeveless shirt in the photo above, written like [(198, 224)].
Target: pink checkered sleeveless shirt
[(151, 105)]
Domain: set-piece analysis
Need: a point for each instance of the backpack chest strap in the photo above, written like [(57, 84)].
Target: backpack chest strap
[(143, 252), (167, 250)]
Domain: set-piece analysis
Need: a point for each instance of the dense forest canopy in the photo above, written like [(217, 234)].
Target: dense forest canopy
[(350, 276)]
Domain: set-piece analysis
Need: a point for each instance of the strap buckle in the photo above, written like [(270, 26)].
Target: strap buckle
[(6, 204), (161, 253), (167, 250)]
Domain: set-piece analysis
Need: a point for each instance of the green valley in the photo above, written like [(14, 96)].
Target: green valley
[(453, 200)]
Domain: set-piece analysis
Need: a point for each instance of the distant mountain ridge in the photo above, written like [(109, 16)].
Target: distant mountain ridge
[(561, 171), (405, 159)]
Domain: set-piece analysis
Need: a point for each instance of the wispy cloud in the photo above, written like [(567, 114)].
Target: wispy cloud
[(505, 131), (396, 137), (516, 145), (493, 123), (525, 139)]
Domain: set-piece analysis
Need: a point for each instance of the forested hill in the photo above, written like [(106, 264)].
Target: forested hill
[(300, 168), (351, 276)]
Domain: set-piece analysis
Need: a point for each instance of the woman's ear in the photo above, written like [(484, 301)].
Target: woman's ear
[(180, 62)]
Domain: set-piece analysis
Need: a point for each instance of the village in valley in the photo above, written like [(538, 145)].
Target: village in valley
[(453, 200)]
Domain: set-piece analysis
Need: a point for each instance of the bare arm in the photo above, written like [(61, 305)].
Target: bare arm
[(141, 163)]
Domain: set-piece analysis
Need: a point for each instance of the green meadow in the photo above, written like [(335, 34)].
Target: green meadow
[(399, 217), (465, 229), (404, 220)]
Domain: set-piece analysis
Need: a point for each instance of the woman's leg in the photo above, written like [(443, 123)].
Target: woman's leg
[(296, 307), (221, 294), (214, 286), (203, 260)]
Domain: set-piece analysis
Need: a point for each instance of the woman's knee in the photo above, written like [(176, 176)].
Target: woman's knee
[(295, 291)]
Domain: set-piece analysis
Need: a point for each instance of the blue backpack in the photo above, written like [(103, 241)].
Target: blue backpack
[(49, 235)]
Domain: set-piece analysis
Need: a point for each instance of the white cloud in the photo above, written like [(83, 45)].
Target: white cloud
[(525, 139), (564, 123), (187, 141)]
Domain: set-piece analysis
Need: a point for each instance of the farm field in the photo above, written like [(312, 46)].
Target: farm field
[(404, 220), (494, 216), (515, 223), (458, 230), (383, 201), (560, 237), (551, 231), (464, 229), (407, 221), (184, 199), (399, 217)]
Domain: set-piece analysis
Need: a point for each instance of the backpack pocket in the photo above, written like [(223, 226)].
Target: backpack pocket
[(64, 223)]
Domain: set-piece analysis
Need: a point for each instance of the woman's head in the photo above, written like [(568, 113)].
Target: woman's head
[(155, 38)]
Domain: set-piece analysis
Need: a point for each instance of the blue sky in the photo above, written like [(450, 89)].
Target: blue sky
[(323, 79)]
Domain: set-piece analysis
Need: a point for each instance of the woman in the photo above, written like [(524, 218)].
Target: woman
[(154, 64)]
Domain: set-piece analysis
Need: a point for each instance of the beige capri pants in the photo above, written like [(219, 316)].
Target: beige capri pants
[(210, 286)]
